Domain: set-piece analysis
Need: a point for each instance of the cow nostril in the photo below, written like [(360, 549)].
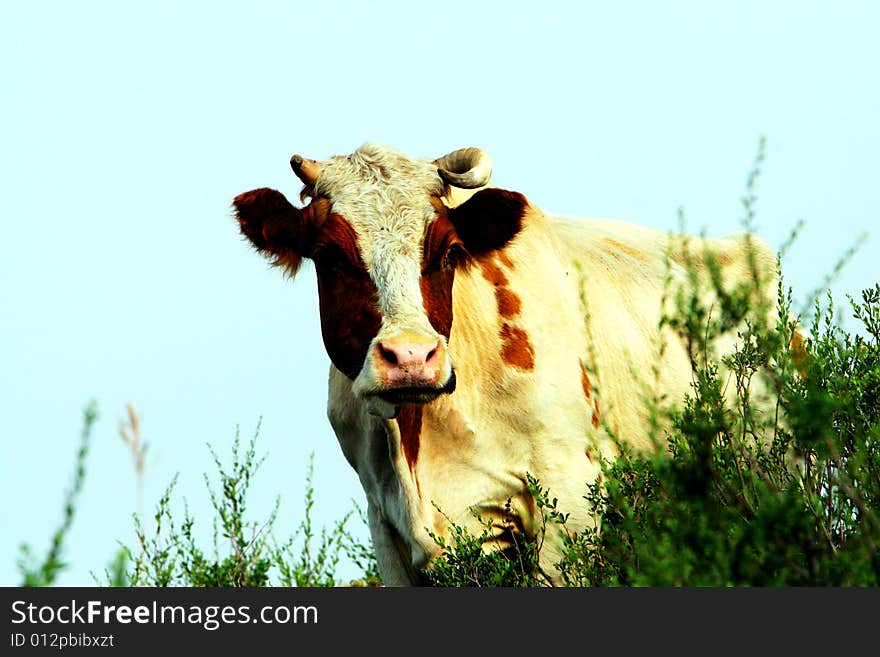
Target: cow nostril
[(430, 355), (387, 354)]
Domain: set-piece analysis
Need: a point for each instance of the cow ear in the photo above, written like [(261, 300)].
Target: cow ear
[(489, 219), (277, 229)]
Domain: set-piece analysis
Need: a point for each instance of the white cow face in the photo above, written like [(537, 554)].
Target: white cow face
[(385, 247)]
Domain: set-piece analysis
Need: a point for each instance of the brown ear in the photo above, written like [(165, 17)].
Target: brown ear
[(489, 219), (276, 228)]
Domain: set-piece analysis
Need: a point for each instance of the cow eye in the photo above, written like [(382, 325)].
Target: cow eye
[(455, 255)]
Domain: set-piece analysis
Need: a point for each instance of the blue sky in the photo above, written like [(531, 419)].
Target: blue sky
[(129, 127)]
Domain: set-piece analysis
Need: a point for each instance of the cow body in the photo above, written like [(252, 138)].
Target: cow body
[(478, 340)]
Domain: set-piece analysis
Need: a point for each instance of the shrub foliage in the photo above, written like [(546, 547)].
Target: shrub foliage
[(245, 553)]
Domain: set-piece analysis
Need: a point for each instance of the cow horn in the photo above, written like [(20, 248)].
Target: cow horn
[(305, 169), (466, 168)]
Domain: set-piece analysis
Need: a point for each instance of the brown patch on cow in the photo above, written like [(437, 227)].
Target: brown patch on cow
[(336, 233), (437, 299), (626, 248), (347, 296), (493, 273), (589, 454), (505, 260), (409, 421), (438, 272), (516, 348), (509, 303), (587, 386), (585, 381)]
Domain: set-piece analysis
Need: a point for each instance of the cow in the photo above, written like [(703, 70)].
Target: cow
[(476, 340)]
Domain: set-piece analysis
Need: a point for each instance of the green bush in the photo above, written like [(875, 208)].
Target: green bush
[(725, 507), (44, 572), (245, 553)]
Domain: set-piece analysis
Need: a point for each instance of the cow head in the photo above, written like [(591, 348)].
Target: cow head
[(386, 245)]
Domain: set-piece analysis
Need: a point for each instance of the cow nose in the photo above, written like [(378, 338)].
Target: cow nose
[(408, 354), (407, 362)]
